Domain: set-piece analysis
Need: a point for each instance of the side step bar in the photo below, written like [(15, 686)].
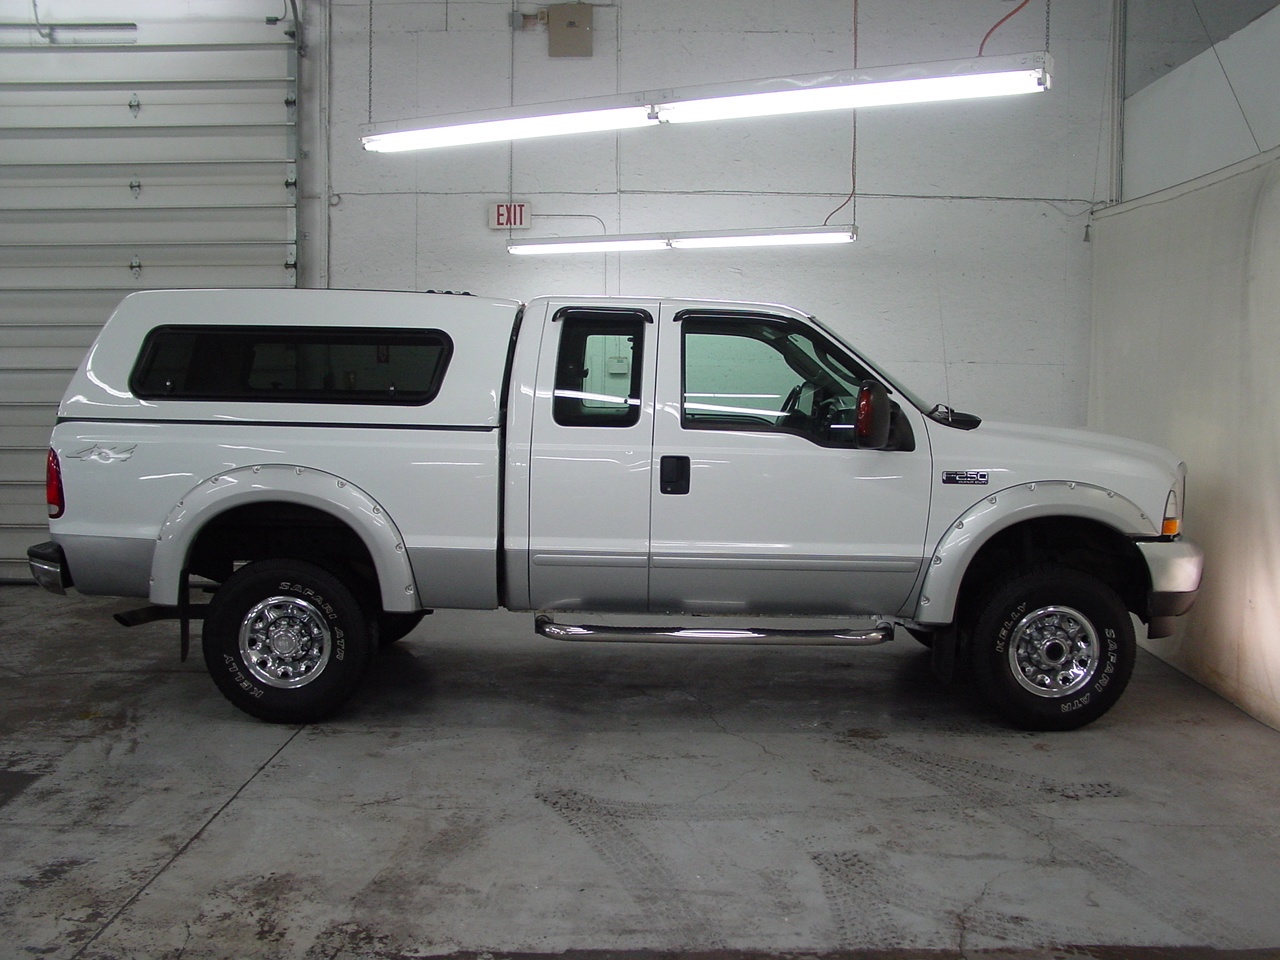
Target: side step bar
[(881, 633)]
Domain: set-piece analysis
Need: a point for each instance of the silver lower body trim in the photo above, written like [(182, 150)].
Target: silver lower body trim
[(1175, 565), (881, 633)]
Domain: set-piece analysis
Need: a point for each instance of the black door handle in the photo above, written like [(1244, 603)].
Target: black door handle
[(673, 474)]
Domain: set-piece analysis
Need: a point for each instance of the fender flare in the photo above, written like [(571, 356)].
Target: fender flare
[(999, 511), (291, 484)]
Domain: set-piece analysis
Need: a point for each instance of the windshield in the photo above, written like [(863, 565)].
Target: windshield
[(915, 399)]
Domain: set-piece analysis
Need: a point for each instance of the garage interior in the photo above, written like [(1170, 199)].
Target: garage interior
[(1104, 255)]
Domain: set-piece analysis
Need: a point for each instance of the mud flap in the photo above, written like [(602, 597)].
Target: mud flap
[(944, 655)]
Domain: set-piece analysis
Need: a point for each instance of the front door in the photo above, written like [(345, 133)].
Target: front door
[(759, 502)]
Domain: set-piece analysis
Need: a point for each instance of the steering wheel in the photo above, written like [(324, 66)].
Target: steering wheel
[(791, 402), (791, 413)]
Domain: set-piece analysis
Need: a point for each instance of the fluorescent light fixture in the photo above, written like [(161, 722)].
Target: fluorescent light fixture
[(616, 244), (845, 90), (509, 128), (758, 237), (852, 96)]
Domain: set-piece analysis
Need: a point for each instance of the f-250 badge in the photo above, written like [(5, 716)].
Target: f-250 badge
[(975, 477)]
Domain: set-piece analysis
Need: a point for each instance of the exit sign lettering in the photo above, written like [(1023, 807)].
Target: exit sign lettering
[(511, 215)]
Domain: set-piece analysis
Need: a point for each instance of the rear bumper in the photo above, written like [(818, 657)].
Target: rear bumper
[(49, 567)]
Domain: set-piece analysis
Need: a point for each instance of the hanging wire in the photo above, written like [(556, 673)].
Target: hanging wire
[(1001, 22), (852, 198), (35, 12), (371, 61)]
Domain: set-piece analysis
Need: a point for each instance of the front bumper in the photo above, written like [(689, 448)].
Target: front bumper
[(1175, 567), (49, 567)]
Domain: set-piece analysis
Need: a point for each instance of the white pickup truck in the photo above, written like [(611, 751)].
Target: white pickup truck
[(331, 465)]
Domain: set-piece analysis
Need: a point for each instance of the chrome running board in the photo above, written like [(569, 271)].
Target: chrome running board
[(881, 633)]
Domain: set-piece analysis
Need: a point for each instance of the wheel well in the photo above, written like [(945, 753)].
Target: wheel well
[(1085, 545), (280, 530)]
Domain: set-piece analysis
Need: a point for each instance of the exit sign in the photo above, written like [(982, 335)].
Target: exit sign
[(511, 215)]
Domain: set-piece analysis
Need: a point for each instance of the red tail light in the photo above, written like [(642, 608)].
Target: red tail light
[(53, 486)]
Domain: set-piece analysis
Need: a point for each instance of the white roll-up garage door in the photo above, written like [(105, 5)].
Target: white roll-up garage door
[(134, 154)]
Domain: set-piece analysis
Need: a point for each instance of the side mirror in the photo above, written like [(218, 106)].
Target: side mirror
[(874, 415)]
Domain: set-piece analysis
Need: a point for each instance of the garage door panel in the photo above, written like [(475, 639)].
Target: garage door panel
[(14, 541), (18, 337), (30, 437), (151, 277), (33, 387), (120, 96), (42, 415), (87, 227), (32, 66), (20, 501), (55, 256), (23, 463), (41, 358), (26, 146), (149, 116), (59, 308), (125, 197)]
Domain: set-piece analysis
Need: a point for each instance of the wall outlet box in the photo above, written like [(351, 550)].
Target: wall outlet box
[(569, 30)]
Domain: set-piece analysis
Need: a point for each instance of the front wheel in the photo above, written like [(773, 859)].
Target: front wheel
[(1053, 649), (285, 641)]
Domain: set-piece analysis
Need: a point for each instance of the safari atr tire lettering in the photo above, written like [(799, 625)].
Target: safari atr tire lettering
[(1053, 648), (285, 641)]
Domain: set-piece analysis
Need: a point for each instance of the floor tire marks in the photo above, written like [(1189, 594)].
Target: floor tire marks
[(969, 784), (873, 904), (652, 883), (860, 893)]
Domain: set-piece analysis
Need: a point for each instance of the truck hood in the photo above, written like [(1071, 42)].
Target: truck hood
[(1012, 454)]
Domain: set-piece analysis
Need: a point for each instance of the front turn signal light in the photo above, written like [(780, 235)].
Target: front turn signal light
[(1172, 525)]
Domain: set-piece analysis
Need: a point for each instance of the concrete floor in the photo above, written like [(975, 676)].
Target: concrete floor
[(493, 794)]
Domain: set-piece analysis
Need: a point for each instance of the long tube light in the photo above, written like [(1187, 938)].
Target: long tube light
[(758, 237), (845, 90)]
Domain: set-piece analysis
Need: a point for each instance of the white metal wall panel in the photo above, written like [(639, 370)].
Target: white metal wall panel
[(158, 152)]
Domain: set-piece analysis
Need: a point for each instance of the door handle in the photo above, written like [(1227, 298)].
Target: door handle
[(673, 475)]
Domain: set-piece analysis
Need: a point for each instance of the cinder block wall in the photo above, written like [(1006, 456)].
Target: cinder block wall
[(971, 275)]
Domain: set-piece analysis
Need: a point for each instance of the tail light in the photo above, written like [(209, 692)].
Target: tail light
[(53, 486)]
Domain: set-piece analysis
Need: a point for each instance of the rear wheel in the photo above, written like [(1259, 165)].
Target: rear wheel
[(285, 641), (1053, 649)]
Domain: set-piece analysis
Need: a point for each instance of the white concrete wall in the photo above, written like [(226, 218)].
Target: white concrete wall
[(1185, 349), (1186, 310), (970, 279), (1218, 108)]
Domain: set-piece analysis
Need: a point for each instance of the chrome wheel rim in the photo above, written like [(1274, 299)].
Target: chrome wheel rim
[(1054, 652), (285, 642)]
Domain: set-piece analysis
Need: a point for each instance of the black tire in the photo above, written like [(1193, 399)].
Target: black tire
[(1053, 649), (397, 626), (285, 641)]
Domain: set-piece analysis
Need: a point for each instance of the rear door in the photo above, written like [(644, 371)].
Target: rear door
[(591, 453)]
